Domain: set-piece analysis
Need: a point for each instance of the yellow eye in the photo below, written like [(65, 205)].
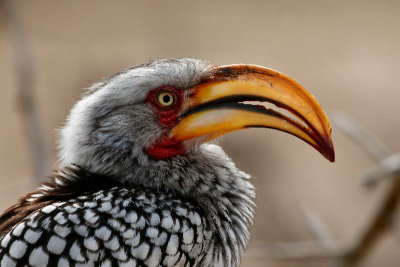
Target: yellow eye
[(166, 99)]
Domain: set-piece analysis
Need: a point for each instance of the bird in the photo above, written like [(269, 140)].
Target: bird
[(141, 180)]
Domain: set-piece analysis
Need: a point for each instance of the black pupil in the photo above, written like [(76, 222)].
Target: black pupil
[(166, 98)]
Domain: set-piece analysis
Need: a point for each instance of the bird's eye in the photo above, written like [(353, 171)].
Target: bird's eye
[(166, 99)]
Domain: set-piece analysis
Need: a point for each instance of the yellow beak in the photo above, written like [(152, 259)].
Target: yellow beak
[(220, 104)]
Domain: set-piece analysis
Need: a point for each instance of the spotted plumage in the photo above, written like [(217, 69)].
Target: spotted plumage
[(116, 226), (140, 183), (70, 221)]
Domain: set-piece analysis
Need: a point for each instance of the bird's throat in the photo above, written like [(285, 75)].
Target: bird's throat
[(164, 149)]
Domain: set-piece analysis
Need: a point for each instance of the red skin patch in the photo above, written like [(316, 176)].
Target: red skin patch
[(165, 148)]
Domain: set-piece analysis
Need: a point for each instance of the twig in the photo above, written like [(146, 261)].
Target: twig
[(351, 251), (395, 226), (383, 170), (374, 147), (319, 230), (25, 88), (381, 213)]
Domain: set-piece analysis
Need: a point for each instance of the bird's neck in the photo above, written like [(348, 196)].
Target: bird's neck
[(207, 177), (224, 194)]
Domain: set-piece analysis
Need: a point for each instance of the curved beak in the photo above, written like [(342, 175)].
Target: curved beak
[(232, 97)]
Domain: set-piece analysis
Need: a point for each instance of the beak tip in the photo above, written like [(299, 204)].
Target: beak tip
[(328, 151), (330, 156)]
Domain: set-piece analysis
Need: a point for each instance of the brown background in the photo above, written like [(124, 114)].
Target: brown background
[(345, 52)]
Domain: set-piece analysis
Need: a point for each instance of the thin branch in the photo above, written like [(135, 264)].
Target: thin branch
[(374, 147), (384, 169), (395, 226), (351, 251), (25, 88), (318, 228)]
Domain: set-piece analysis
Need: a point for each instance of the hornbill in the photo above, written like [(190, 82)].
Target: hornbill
[(140, 182)]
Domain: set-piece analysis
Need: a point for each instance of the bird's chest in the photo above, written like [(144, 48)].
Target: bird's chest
[(117, 227)]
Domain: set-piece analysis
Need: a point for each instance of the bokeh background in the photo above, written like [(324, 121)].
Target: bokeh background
[(347, 53)]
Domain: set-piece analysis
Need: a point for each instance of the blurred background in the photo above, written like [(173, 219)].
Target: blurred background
[(345, 52)]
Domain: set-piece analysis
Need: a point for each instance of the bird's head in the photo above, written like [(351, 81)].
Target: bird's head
[(164, 110)]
